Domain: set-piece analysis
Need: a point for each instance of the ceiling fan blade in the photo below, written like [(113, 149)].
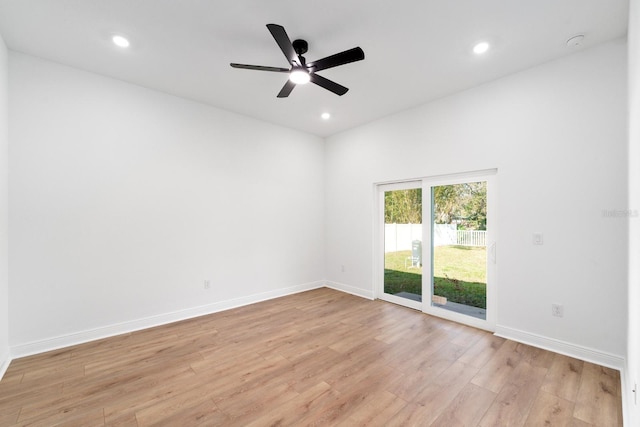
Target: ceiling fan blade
[(286, 89), (281, 37), (328, 84), (351, 55), (260, 68)]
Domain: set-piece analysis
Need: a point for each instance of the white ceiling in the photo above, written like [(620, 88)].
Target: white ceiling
[(416, 50)]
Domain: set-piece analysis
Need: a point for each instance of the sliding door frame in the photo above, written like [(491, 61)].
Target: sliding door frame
[(427, 183), (381, 189)]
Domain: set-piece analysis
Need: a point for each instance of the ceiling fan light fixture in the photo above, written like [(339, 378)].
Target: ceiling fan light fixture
[(299, 77)]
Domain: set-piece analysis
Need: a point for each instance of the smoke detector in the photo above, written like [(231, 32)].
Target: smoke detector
[(575, 41)]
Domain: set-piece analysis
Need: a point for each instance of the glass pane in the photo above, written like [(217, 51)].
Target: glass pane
[(459, 250), (403, 243)]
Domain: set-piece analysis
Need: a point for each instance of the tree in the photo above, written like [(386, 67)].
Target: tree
[(403, 206), (465, 204), (462, 204)]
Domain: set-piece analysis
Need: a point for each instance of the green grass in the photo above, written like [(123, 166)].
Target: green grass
[(459, 274)]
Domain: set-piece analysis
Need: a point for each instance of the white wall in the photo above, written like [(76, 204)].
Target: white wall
[(633, 352), (557, 135), (124, 200), (4, 146)]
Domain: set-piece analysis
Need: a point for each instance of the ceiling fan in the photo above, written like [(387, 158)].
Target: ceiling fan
[(302, 71)]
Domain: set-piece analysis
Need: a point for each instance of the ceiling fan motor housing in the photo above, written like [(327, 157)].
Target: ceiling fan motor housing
[(300, 46)]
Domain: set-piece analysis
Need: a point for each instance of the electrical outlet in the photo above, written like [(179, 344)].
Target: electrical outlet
[(207, 284), (557, 310)]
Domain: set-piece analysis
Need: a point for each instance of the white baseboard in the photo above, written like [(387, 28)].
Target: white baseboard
[(350, 290), (583, 353), (22, 350), (5, 360)]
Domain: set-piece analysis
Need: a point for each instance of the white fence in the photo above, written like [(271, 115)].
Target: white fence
[(471, 238), (398, 237), (444, 234)]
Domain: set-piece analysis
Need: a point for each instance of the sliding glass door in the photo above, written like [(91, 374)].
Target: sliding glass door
[(437, 246), (402, 235), (458, 248)]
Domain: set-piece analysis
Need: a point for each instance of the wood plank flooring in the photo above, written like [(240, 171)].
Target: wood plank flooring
[(316, 358)]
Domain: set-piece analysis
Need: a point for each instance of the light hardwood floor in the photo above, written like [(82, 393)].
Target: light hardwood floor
[(316, 358)]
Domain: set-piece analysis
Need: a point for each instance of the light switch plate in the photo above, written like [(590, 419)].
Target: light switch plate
[(538, 239)]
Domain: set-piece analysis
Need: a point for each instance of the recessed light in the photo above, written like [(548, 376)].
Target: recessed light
[(325, 116), (481, 48), (120, 41)]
